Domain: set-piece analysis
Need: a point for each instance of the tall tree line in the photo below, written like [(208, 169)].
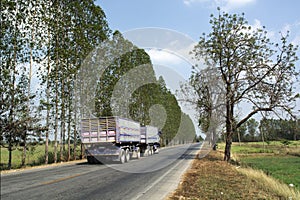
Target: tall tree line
[(56, 47), (278, 129), (50, 40), (128, 88)]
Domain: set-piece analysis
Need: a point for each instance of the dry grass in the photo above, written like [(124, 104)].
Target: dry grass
[(212, 178), (269, 182)]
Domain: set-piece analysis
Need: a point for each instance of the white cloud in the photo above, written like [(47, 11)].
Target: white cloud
[(296, 40), (163, 57), (294, 31), (257, 25), (189, 2), (286, 28), (233, 4), (163, 60)]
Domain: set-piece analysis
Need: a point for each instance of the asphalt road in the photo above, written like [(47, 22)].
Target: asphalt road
[(151, 177)]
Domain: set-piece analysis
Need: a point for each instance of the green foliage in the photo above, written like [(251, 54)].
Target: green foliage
[(107, 95), (54, 37), (128, 88), (250, 67), (51, 40), (186, 132), (277, 129), (35, 157), (284, 168)]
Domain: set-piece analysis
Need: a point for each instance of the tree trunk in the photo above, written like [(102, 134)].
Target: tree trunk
[(229, 124), (62, 122), (239, 137), (28, 100), (56, 113), (75, 143), (81, 151), (9, 155), (227, 149), (24, 150), (24, 155), (11, 111), (48, 108), (75, 130), (69, 127), (46, 147)]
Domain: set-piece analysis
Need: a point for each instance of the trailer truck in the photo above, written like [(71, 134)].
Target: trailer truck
[(149, 140), (117, 139)]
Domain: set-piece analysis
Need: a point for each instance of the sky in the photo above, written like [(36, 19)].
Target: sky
[(190, 18)]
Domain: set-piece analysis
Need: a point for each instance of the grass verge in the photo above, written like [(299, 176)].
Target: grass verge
[(267, 181), (35, 156), (212, 178), (285, 168)]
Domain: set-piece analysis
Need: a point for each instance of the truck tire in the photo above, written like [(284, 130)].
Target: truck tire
[(138, 154), (122, 156), (90, 159), (151, 151), (146, 153), (127, 155)]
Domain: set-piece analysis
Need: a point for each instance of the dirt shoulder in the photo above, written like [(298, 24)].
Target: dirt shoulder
[(212, 178)]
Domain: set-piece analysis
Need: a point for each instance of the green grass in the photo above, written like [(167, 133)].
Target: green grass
[(274, 158), (35, 156), (282, 167)]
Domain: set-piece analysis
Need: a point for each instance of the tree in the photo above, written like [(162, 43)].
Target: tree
[(15, 95), (173, 113), (186, 132), (51, 38), (210, 106), (73, 30), (252, 69), (278, 129), (252, 126)]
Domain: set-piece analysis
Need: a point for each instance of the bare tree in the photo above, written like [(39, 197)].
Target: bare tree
[(252, 69)]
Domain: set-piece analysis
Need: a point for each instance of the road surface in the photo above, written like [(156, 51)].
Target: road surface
[(151, 177)]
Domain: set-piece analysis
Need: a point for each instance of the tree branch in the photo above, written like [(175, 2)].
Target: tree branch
[(251, 114)]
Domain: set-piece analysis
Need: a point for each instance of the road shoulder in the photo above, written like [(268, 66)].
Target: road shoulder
[(212, 178)]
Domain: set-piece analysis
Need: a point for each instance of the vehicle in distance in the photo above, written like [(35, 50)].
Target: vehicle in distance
[(117, 139)]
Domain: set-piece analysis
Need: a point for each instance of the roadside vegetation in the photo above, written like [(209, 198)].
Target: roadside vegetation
[(74, 60), (257, 171), (35, 156), (279, 159)]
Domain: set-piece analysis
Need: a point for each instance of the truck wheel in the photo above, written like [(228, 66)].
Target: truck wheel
[(150, 151), (122, 156), (138, 154), (127, 155), (145, 154), (90, 159)]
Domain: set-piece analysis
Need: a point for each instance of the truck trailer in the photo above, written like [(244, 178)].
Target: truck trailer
[(117, 139), (149, 140)]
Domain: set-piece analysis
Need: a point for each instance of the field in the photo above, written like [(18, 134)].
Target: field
[(284, 168), (34, 157), (259, 171), (273, 147), (276, 159)]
